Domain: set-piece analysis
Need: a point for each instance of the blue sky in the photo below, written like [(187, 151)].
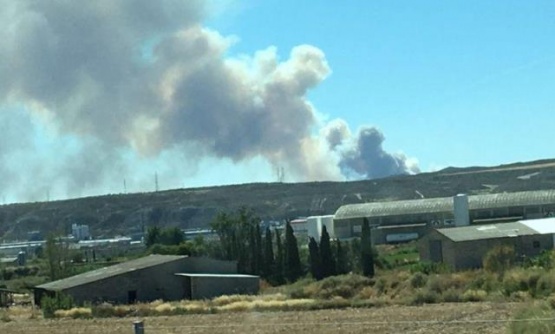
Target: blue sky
[(97, 92), (451, 83)]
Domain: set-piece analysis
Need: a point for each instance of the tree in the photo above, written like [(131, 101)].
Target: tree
[(279, 271), (326, 254), (171, 236), (366, 256), (343, 262), (314, 261), (234, 231), (253, 258), (152, 236), (258, 249), (292, 264), (56, 255), (268, 265)]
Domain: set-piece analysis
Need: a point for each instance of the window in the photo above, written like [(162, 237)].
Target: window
[(536, 244)]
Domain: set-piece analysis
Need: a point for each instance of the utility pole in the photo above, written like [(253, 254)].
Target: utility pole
[(156, 181), (124, 186)]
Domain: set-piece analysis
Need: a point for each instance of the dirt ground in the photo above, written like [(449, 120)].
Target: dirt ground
[(438, 318)]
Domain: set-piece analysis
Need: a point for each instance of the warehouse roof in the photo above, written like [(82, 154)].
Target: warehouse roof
[(502, 230), (106, 272), (217, 275), (444, 204)]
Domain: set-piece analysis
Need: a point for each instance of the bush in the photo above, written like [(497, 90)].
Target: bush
[(425, 296), (429, 268), (499, 259), (103, 310), (418, 280), (51, 304), (474, 295), (536, 319)]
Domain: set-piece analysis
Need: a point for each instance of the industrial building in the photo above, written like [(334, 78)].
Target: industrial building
[(166, 277), (464, 247), (398, 221)]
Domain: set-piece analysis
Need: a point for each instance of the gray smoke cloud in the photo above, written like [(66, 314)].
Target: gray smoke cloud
[(128, 80)]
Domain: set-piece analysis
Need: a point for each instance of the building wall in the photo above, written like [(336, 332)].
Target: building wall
[(148, 284), (211, 287), (205, 265), (470, 254), (157, 282)]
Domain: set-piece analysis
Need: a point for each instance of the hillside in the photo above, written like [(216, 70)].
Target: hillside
[(189, 208)]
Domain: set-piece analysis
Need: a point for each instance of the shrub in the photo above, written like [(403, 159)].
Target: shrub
[(424, 296), (535, 319), (499, 259), (59, 301), (451, 295), (429, 268), (474, 295), (103, 310), (74, 313), (545, 285), (418, 280)]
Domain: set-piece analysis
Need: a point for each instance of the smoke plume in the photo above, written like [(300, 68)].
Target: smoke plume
[(103, 85)]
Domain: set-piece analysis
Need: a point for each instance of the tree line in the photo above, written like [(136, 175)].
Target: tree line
[(275, 255)]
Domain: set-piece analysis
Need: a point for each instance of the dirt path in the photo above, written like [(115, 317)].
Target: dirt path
[(439, 318)]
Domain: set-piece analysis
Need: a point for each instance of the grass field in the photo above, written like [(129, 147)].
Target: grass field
[(462, 318)]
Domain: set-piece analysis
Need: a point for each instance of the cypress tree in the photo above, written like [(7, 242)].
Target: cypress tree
[(278, 273), (366, 255), (343, 262), (253, 266), (268, 267), (314, 259), (326, 254), (292, 263), (259, 255)]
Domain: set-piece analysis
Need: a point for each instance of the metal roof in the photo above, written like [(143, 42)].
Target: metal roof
[(501, 230), (444, 204), (217, 275), (111, 271)]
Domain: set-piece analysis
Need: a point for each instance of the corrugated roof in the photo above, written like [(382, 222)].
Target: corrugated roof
[(480, 232), (444, 204), (501, 230), (106, 272), (217, 275)]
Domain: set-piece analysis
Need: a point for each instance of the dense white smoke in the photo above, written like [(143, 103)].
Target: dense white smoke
[(112, 82)]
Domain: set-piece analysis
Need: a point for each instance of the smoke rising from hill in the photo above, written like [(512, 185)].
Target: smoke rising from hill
[(105, 80)]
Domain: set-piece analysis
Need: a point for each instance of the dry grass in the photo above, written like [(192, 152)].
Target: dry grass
[(463, 318)]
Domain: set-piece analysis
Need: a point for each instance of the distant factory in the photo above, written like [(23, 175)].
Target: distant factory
[(406, 220)]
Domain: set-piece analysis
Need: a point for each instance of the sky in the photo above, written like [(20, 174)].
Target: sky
[(116, 96)]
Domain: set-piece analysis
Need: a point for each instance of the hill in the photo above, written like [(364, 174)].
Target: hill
[(110, 215)]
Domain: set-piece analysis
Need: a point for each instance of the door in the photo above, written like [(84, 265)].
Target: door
[(131, 296), (436, 251)]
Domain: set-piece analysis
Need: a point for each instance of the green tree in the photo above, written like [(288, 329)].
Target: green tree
[(152, 236), (314, 260), (366, 255), (268, 265), (343, 261), (326, 254), (258, 251), (57, 253), (279, 271), (292, 263), (234, 232), (253, 258), (171, 236)]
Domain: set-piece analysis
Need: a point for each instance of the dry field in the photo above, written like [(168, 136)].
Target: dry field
[(457, 318)]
